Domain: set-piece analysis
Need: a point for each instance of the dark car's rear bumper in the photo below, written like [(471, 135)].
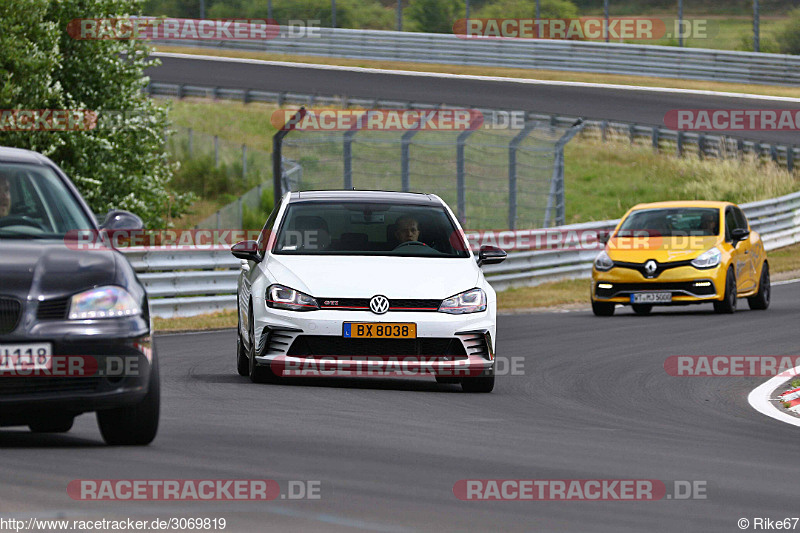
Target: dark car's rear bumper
[(97, 364)]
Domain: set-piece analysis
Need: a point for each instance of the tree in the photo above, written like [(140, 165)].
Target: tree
[(122, 162), (434, 16), (521, 9)]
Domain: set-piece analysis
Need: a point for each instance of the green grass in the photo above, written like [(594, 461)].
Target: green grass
[(603, 180), (784, 259), (722, 33)]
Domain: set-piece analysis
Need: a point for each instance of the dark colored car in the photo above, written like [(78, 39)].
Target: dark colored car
[(75, 328)]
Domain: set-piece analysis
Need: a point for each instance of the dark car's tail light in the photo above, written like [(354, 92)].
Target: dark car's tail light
[(10, 311)]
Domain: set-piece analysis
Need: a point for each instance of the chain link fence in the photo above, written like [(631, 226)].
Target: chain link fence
[(494, 177)]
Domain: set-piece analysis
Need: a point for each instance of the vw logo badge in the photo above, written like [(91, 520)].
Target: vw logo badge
[(379, 304), (650, 267)]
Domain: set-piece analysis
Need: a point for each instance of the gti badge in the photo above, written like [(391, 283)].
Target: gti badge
[(379, 304)]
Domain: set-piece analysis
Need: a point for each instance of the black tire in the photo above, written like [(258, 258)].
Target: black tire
[(603, 308), (728, 304), (52, 424), (242, 364), (134, 425), (642, 309), (257, 373), (761, 300), (479, 384)]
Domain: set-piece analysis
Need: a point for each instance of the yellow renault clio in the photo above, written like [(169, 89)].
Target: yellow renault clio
[(678, 253)]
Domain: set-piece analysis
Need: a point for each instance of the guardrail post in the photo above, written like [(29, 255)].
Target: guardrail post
[(790, 158), (512, 173), (244, 162), (216, 151), (277, 144), (556, 196), (191, 143), (347, 149), (215, 93), (679, 144), (773, 152), (655, 138), (347, 154), (701, 146), (404, 159), (740, 148), (180, 91), (603, 130), (632, 133), (461, 194), (246, 96)]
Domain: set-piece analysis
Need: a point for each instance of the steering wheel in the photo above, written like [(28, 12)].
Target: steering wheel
[(19, 220), (409, 243)]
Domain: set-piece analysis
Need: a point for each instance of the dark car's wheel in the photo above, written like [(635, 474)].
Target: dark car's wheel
[(258, 374), (728, 303), (642, 309), (603, 308), (478, 384), (242, 364), (52, 424), (135, 424), (761, 300)]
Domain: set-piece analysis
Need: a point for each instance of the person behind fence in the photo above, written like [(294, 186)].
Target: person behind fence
[(407, 229)]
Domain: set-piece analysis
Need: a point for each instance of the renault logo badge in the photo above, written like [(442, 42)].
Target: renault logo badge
[(379, 304), (650, 267)]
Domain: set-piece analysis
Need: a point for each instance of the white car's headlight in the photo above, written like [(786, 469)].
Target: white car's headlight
[(471, 301), (603, 262), (709, 258), (103, 302), (280, 297)]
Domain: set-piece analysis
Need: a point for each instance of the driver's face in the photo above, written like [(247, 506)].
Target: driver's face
[(407, 230), (5, 196)]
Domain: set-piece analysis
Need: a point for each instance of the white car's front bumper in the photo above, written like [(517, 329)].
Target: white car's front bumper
[(278, 331)]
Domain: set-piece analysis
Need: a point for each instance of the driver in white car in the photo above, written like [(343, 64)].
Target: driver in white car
[(407, 229), (5, 196)]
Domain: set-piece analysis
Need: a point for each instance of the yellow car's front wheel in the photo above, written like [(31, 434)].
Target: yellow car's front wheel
[(728, 303), (603, 308)]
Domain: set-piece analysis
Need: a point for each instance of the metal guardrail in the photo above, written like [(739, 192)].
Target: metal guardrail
[(185, 283), (581, 56), (660, 138)]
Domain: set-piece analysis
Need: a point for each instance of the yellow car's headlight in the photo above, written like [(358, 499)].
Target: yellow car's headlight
[(603, 262), (708, 259)]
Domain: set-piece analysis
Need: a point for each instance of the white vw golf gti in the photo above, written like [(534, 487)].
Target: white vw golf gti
[(347, 282)]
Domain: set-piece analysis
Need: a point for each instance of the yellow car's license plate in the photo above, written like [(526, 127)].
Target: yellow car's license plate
[(379, 330)]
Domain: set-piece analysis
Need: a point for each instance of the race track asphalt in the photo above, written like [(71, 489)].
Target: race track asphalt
[(641, 107), (593, 402)]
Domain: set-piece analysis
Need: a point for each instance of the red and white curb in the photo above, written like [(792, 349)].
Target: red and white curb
[(760, 399)]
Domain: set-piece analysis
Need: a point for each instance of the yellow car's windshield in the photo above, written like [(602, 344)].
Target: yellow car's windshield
[(671, 222)]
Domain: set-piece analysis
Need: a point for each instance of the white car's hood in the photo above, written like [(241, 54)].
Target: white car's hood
[(365, 276)]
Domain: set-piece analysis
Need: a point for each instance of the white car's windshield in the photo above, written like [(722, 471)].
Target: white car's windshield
[(672, 222), (358, 228), (35, 204)]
